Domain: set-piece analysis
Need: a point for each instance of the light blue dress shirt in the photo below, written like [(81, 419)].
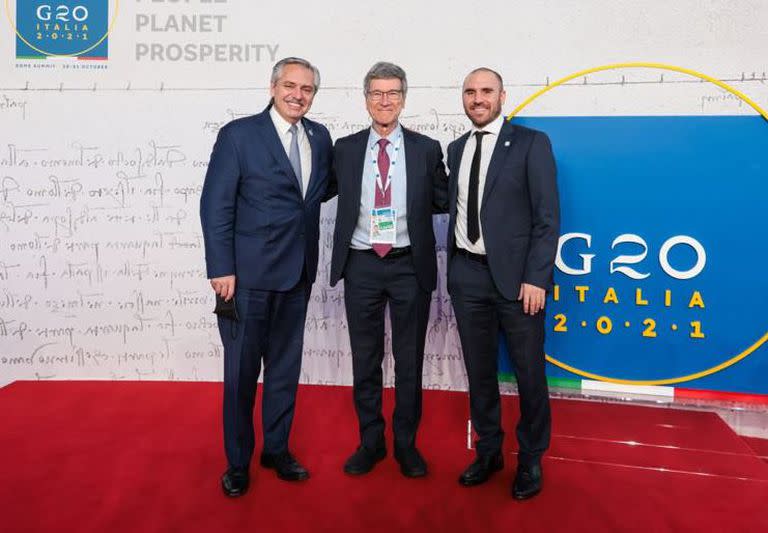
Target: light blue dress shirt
[(361, 238)]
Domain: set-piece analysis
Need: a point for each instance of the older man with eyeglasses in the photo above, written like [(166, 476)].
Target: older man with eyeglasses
[(390, 180)]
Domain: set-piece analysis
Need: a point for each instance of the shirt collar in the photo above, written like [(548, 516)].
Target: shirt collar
[(374, 137), (281, 125), (493, 128)]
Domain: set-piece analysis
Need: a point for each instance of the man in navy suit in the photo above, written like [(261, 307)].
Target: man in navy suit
[(260, 210), (502, 239), (389, 179)]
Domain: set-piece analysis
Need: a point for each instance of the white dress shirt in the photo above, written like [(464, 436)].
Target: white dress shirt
[(361, 238), (305, 151), (486, 150)]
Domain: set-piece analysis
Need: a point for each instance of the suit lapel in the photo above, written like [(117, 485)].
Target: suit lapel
[(411, 168), (315, 152), (359, 160), (500, 151), (275, 146), (453, 182)]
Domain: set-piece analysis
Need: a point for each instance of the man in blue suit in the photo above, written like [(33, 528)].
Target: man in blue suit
[(502, 240), (390, 180), (260, 210)]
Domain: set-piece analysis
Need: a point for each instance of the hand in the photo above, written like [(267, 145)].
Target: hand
[(533, 298), (224, 286)]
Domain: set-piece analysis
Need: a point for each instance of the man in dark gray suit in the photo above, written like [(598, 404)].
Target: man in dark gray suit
[(502, 240), (389, 179)]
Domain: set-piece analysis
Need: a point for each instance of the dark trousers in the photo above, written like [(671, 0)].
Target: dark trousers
[(370, 283), (480, 309), (271, 328)]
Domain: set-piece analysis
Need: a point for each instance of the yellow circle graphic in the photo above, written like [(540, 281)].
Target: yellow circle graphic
[(75, 54), (660, 66), (690, 377)]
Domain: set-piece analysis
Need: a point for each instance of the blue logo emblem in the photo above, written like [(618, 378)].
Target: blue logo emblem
[(77, 29)]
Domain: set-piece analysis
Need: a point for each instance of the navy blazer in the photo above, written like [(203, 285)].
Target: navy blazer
[(426, 192), (256, 224), (519, 211)]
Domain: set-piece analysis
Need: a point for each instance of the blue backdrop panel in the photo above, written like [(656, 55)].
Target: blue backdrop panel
[(667, 224)]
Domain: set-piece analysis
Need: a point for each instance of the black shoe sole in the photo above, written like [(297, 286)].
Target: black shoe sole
[(234, 493), (292, 477), (269, 464), (525, 496), (410, 473), (413, 474), (299, 477), (360, 471), (475, 482)]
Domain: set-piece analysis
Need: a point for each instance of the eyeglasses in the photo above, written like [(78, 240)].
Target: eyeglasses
[(393, 96)]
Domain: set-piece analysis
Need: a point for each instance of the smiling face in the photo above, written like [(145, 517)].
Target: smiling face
[(385, 101), (483, 97), (293, 92)]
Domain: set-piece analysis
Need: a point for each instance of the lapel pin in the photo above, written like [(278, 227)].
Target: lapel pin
[(506, 143), (310, 132)]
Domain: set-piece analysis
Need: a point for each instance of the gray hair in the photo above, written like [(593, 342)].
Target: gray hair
[(277, 70), (384, 70)]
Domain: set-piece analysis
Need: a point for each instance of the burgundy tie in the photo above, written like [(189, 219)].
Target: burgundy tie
[(383, 199)]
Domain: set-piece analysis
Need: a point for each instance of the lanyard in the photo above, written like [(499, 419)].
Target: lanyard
[(383, 186)]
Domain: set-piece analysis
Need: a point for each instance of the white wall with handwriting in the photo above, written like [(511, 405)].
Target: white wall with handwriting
[(102, 163)]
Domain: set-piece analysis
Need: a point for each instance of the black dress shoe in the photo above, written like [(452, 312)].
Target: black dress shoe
[(364, 459), (527, 482), (234, 482), (481, 469), (286, 466), (412, 464)]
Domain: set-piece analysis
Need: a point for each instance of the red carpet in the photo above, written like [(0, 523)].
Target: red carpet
[(115, 456), (759, 446)]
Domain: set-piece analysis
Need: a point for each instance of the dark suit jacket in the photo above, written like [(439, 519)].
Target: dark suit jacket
[(426, 192), (256, 224), (519, 211)]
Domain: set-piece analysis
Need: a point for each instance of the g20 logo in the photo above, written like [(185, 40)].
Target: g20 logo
[(620, 262), (63, 13), (77, 29)]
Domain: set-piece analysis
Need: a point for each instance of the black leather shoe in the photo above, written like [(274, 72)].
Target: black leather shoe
[(234, 482), (527, 482), (481, 469), (286, 466), (363, 460), (412, 464)]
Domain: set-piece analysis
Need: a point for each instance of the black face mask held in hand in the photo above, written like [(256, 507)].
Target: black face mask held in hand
[(226, 309)]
